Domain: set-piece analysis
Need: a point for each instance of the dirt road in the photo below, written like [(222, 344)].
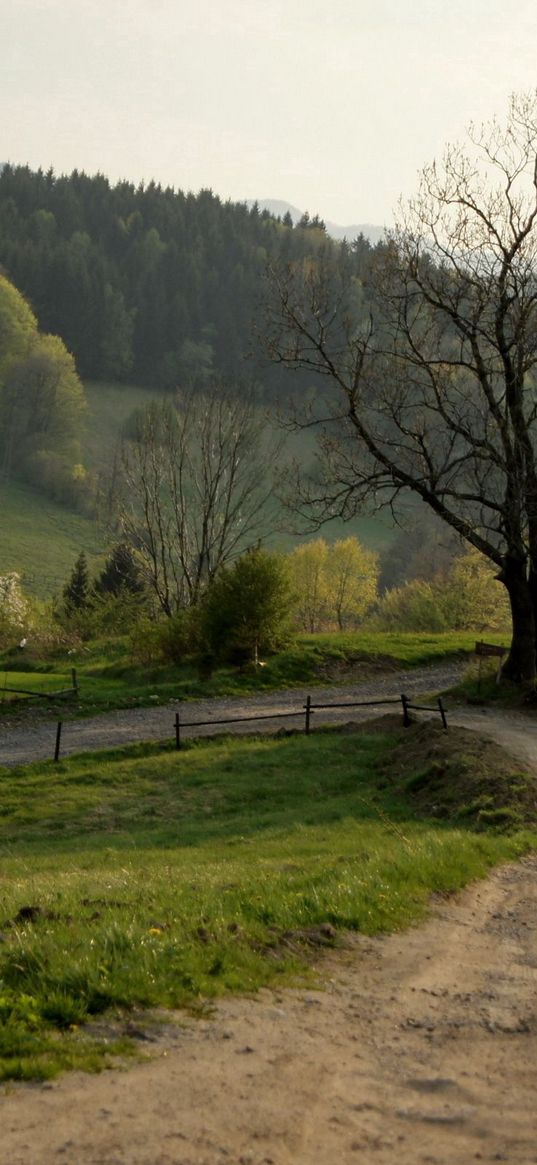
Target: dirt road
[(31, 740), (22, 742), (421, 1048)]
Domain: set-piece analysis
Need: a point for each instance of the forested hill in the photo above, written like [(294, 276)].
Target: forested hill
[(143, 283)]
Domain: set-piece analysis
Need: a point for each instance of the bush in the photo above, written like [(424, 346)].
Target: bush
[(145, 643), (247, 609), (170, 640), (413, 607), (467, 598)]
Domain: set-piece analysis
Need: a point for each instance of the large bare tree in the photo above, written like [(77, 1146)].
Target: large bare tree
[(432, 381), (196, 489)]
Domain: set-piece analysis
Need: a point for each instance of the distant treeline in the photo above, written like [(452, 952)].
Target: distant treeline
[(147, 284)]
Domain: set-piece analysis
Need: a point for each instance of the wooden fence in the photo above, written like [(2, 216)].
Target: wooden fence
[(309, 708), (306, 711), (61, 694)]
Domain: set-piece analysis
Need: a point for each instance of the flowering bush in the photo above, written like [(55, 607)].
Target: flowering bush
[(13, 609)]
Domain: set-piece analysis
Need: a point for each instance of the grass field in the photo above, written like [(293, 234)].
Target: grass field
[(145, 878), (15, 685), (109, 407)]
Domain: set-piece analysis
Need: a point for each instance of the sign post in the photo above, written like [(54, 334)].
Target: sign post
[(484, 650)]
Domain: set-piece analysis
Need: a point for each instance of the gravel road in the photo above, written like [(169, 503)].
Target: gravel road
[(23, 742)]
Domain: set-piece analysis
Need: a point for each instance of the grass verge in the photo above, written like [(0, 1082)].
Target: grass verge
[(150, 878)]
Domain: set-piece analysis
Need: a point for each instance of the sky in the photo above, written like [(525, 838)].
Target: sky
[(331, 105)]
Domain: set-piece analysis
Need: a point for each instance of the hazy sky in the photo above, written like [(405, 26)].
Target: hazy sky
[(333, 105)]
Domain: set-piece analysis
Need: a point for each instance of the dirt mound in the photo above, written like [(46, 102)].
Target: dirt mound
[(458, 775)]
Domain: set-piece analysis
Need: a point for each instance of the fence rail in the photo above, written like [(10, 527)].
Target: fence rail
[(62, 694), (307, 710), (310, 708)]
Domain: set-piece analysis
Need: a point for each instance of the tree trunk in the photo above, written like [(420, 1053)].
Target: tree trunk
[(533, 593), (520, 665)]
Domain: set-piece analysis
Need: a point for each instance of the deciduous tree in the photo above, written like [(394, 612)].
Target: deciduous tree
[(434, 392), (308, 570), (334, 583), (197, 489), (43, 402)]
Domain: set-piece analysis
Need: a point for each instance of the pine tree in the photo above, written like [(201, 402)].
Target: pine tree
[(76, 593), (120, 573)]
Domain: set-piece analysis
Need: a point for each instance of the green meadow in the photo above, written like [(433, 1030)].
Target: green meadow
[(150, 878), (41, 539)]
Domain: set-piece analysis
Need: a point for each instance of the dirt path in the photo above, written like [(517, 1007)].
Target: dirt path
[(22, 742), (26, 741), (421, 1048)]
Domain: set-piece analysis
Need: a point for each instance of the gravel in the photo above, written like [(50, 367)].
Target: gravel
[(22, 743)]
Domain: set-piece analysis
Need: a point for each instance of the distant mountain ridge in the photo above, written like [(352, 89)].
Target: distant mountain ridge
[(278, 207)]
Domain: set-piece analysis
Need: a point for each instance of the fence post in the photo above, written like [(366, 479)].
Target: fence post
[(308, 714), (442, 711), (74, 680), (406, 717), (58, 740), (177, 731)]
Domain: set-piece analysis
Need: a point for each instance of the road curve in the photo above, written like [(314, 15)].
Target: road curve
[(27, 741)]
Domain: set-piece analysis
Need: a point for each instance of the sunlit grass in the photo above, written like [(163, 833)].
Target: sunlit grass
[(150, 878), (16, 685)]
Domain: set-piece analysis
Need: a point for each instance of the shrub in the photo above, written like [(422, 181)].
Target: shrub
[(467, 598), (170, 640), (247, 609), (413, 607)]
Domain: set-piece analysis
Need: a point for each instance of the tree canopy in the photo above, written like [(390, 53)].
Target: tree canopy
[(146, 283), (41, 399), (335, 584), (432, 389), (247, 608)]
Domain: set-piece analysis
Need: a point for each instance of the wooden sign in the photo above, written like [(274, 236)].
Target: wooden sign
[(489, 649)]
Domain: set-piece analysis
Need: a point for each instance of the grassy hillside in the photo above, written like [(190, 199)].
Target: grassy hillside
[(111, 404), (41, 539)]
